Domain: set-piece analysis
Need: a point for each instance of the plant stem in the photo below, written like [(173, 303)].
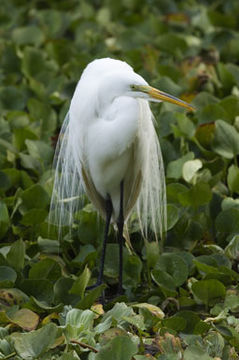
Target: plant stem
[(84, 345)]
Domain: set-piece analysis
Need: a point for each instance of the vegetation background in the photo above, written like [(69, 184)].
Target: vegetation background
[(183, 303)]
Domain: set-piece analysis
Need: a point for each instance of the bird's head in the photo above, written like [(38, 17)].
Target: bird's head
[(151, 94), (128, 83)]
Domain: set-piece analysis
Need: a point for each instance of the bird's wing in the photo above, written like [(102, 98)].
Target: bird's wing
[(92, 193)]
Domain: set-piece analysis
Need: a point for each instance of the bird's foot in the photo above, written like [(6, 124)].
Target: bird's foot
[(120, 291)]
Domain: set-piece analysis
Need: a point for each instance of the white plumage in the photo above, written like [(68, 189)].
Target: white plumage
[(108, 149), (108, 136)]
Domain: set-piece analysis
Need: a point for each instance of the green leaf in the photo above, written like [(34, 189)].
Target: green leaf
[(227, 222), (208, 291), (199, 194), (205, 134), (41, 289), (226, 140), (34, 344), (232, 249), (172, 216), (174, 265), (45, 269), (16, 255), (119, 348), (174, 169), (61, 291), (7, 276), (12, 98), (34, 216), (34, 197), (191, 318), (4, 219), (25, 318), (28, 35), (170, 271), (48, 246), (190, 169), (89, 299), (233, 179), (152, 252), (20, 135), (164, 280), (78, 321), (175, 322), (40, 150), (80, 284), (196, 353)]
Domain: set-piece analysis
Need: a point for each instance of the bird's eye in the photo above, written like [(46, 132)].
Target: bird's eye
[(133, 87)]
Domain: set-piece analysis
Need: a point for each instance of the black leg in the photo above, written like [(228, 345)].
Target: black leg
[(108, 210), (120, 225)]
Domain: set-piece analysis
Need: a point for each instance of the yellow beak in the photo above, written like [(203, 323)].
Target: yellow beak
[(156, 94)]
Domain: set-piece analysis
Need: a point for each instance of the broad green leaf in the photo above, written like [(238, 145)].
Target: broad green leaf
[(16, 255), (61, 291), (39, 150), (227, 222), (199, 194), (34, 344), (226, 140), (210, 114), (77, 317), (120, 348), (71, 355), (13, 296), (232, 249), (216, 343), (20, 135), (173, 265), (28, 35), (78, 321), (53, 21), (175, 322), (34, 216), (12, 98), (34, 197), (172, 216), (48, 246), (45, 269), (7, 276), (41, 289), (118, 312), (4, 219), (154, 310), (174, 169), (185, 127), (196, 353), (233, 179), (229, 202), (152, 252), (191, 318), (164, 280), (208, 291), (190, 169), (25, 318), (80, 284), (90, 299), (170, 271), (204, 134)]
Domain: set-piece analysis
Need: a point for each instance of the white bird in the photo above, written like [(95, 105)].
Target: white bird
[(108, 149)]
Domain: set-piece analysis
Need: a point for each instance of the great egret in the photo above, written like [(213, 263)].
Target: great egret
[(108, 148)]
